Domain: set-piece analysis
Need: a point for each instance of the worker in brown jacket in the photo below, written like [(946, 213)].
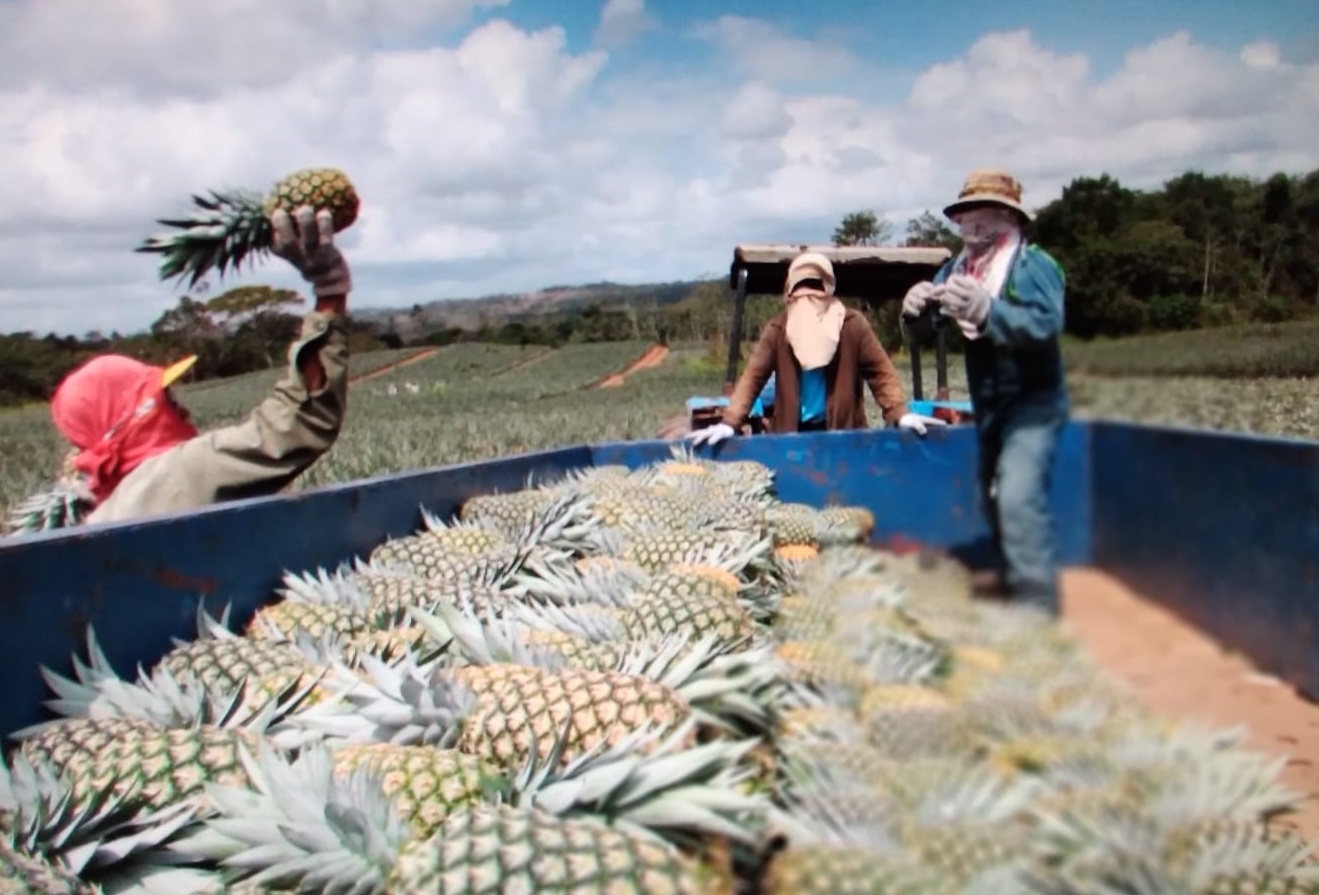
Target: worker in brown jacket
[(821, 354), (137, 451)]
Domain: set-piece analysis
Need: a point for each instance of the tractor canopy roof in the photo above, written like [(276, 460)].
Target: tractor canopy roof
[(873, 273)]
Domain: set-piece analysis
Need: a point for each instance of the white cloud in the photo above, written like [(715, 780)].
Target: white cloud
[(621, 22), (759, 49), (498, 159)]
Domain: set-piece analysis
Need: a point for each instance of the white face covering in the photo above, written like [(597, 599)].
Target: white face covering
[(982, 227)]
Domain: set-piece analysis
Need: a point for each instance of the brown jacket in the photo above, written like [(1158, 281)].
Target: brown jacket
[(283, 436), (860, 359)]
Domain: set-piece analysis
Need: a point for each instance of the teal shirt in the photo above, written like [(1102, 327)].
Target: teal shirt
[(814, 390)]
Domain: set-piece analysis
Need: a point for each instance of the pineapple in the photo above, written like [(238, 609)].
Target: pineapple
[(795, 528), (234, 225), (608, 823), (692, 614), (692, 605), (494, 711), (814, 663), (226, 662), (137, 761), (969, 826), (844, 525), (827, 853), (56, 844), (907, 721), (502, 512), (727, 687), (426, 784)]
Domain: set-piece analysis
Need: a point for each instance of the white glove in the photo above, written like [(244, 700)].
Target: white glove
[(965, 299), (915, 300), (917, 423), (711, 435), (310, 248)]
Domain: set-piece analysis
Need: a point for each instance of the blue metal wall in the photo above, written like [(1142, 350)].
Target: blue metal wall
[(1221, 529), (920, 489), (138, 583)]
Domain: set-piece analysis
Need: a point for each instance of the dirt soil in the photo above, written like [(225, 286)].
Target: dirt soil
[(1180, 673), (390, 368), (654, 356)]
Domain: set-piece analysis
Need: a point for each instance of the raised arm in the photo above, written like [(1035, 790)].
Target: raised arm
[(294, 426)]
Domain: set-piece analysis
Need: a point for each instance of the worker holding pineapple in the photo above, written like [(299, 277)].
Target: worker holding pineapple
[(820, 354), (1006, 295), (138, 452)]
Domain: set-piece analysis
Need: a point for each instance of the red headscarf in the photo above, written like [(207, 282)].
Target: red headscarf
[(113, 409)]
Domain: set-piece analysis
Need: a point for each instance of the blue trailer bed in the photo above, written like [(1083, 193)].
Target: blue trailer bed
[(1223, 529)]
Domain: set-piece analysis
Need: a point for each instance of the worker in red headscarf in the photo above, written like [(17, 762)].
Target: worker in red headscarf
[(137, 450)]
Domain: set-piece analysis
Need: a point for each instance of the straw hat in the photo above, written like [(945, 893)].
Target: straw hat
[(810, 266), (990, 186), (174, 372)]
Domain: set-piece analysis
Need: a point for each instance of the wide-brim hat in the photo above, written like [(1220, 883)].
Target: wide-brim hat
[(175, 371), (988, 186), (810, 266)]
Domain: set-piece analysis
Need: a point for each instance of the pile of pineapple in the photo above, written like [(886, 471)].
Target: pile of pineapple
[(661, 680)]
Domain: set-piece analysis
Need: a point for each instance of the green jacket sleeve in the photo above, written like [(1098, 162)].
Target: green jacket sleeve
[(282, 437)]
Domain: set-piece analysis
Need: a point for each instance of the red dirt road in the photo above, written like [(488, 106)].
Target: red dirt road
[(654, 356), (389, 368), (1180, 673)]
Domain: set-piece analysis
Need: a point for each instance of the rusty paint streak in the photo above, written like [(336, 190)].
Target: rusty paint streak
[(177, 580)]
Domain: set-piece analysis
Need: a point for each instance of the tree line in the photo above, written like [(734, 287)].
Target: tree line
[(1202, 250)]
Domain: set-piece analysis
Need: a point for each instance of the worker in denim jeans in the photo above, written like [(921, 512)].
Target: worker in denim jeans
[(1006, 295)]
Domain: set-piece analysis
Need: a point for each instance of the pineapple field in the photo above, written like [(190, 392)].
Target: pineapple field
[(660, 680), (477, 401)]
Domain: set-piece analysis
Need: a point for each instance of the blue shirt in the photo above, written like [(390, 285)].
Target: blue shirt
[(814, 390)]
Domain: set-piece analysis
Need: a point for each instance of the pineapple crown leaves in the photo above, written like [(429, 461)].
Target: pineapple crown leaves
[(221, 233), (1236, 785), (483, 641), (1122, 856), (813, 810), (592, 627), (404, 703), (66, 503), (567, 583), (40, 814), (725, 686), (300, 826), (979, 797), (161, 698), (325, 589), (669, 787)]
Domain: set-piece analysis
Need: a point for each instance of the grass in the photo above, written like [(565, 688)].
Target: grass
[(1229, 352), (474, 402)]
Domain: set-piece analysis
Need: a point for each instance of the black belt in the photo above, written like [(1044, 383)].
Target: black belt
[(815, 426)]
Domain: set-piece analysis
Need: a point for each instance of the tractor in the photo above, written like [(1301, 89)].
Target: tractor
[(872, 274)]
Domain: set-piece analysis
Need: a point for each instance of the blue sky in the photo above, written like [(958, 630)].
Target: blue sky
[(500, 145), (909, 36)]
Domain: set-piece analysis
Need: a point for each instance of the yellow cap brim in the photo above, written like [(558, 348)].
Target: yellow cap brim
[(174, 372)]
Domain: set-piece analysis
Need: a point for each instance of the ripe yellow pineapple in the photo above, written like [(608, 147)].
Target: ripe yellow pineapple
[(233, 226)]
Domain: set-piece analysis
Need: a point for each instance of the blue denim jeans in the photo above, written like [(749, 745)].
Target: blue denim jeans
[(1017, 448)]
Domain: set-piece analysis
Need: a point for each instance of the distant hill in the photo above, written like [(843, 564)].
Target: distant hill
[(543, 305)]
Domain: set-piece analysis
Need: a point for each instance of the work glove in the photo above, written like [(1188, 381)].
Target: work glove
[(964, 299), (712, 435), (917, 423), (310, 248), (916, 299)]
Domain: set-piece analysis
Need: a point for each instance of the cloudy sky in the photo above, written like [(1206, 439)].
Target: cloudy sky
[(506, 145)]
